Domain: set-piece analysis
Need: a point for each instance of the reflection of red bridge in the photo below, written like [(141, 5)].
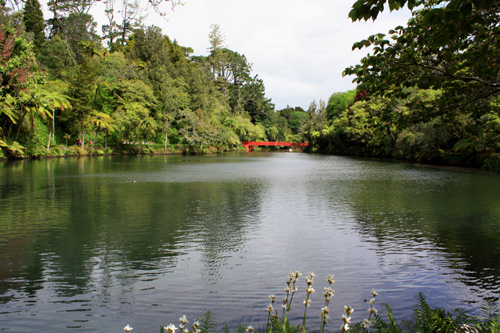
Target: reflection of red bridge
[(249, 145)]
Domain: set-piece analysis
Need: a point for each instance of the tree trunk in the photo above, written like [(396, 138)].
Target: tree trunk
[(83, 136), (20, 124), (48, 143)]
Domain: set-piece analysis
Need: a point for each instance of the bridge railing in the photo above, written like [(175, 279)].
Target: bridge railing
[(249, 145)]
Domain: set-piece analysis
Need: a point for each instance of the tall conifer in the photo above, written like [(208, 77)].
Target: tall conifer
[(33, 22)]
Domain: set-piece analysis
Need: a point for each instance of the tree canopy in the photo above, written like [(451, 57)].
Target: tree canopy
[(450, 45), (427, 91)]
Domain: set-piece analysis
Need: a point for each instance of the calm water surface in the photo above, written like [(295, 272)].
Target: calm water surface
[(93, 244)]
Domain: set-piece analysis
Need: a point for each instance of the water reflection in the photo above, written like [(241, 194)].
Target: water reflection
[(452, 217), (98, 242)]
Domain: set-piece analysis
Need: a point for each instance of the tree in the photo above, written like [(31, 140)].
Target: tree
[(217, 58), (82, 93), (55, 100), (74, 24), (18, 79), (102, 121), (338, 102), (449, 45), (33, 22), (56, 58)]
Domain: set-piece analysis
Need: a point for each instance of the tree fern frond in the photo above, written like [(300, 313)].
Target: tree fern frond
[(208, 323), (241, 328)]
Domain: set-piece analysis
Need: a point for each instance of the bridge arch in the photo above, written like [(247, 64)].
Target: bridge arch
[(250, 145)]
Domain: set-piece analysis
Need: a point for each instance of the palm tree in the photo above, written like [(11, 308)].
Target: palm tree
[(102, 121), (53, 100)]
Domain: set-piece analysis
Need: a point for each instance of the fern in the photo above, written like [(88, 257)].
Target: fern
[(423, 314), (208, 323), (489, 317), (380, 325), (241, 329)]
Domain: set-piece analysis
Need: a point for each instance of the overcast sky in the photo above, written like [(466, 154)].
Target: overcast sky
[(299, 48)]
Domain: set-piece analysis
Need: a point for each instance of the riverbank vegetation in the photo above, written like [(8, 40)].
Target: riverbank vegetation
[(424, 319), (130, 89), (428, 93)]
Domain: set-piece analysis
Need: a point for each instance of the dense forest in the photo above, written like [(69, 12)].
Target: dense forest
[(428, 93), (66, 90)]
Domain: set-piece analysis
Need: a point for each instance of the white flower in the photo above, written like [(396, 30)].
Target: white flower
[(270, 308), (328, 291), (372, 310), (366, 323), (271, 297), (330, 278), (250, 329), (374, 293), (344, 327), (183, 320), (310, 278), (307, 302), (171, 328), (325, 311), (371, 301), (127, 328), (310, 290), (348, 310), (346, 319)]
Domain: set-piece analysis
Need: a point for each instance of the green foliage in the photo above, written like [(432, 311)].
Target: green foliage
[(390, 326), (13, 150), (423, 142), (57, 151), (150, 90), (80, 152), (489, 317), (208, 323), (426, 319), (446, 45), (33, 22), (297, 120), (448, 51), (412, 127), (339, 102), (56, 58)]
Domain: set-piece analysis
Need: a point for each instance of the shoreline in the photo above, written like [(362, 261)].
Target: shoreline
[(467, 169)]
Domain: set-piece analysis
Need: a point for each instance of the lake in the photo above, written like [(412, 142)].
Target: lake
[(93, 244)]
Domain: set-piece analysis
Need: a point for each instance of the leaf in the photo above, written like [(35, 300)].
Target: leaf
[(392, 5)]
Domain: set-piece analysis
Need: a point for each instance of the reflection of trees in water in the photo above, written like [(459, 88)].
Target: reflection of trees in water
[(68, 231), (218, 215), (75, 234), (457, 216)]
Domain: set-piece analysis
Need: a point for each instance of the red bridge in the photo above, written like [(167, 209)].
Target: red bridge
[(249, 145)]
